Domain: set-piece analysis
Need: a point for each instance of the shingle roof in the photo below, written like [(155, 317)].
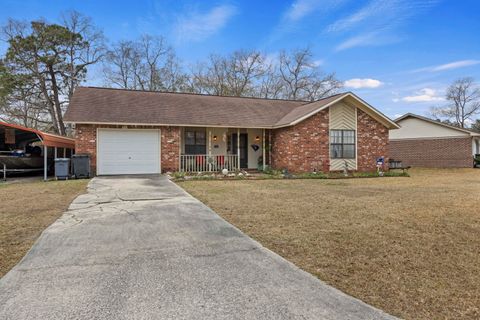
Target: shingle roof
[(305, 109), (119, 106)]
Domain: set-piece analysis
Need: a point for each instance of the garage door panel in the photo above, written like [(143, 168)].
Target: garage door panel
[(126, 151)]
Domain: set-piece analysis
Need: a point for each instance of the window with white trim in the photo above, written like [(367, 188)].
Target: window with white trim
[(342, 144)]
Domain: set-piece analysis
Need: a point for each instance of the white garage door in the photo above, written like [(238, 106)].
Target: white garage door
[(125, 151)]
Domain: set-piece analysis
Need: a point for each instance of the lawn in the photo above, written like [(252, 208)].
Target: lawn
[(409, 246), (27, 208)]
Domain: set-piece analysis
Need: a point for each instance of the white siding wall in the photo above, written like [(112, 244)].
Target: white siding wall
[(254, 155), (475, 146), (343, 116), (413, 128), (219, 147)]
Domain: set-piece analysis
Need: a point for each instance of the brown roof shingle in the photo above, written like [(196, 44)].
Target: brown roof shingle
[(120, 106), (105, 105)]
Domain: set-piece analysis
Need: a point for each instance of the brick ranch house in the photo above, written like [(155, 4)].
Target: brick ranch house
[(140, 132), (423, 142)]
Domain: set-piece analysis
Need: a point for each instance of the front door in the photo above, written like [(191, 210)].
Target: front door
[(243, 149)]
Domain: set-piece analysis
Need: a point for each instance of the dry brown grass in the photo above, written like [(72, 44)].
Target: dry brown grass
[(410, 246), (26, 210)]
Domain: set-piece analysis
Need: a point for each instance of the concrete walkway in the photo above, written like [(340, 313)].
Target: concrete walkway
[(142, 248)]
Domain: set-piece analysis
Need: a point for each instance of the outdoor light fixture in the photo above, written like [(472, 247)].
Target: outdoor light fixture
[(214, 138), (257, 138)]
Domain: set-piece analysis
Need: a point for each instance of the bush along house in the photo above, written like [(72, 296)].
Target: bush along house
[(141, 132)]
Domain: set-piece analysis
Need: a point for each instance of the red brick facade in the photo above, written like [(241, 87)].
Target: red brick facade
[(436, 153), (304, 147), (372, 142), (86, 143), (170, 148)]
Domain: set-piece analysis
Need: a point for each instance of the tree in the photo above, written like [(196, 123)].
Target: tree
[(145, 64), (237, 74), (301, 77), (293, 75), (17, 104), (476, 125), (47, 62), (464, 102), (83, 51)]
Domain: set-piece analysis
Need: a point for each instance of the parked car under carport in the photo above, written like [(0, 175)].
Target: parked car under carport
[(25, 150)]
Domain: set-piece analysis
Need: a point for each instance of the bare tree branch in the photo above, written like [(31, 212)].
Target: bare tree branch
[(464, 102)]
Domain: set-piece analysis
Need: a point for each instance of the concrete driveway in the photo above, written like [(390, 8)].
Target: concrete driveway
[(142, 248)]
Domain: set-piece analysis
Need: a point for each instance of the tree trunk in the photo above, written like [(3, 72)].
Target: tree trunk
[(57, 105)]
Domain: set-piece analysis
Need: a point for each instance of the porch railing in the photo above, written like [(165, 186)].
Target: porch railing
[(208, 163)]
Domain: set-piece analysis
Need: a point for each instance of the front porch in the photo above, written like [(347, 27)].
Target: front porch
[(214, 149)]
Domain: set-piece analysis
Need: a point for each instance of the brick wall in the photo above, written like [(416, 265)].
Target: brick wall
[(372, 142), (303, 147), (170, 148), (436, 153), (86, 143)]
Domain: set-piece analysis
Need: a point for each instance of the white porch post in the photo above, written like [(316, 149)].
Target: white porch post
[(238, 148), (263, 150), (64, 152), (45, 164), (209, 149), (55, 153)]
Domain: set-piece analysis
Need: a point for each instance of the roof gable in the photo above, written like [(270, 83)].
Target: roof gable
[(305, 111)]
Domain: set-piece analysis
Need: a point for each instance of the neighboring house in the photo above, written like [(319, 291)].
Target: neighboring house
[(134, 132), (423, 142)]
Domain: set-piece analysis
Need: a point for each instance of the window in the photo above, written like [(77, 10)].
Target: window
[(195, 141), (342, 144)]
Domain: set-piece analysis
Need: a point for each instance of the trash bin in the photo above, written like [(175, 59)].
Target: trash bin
[(62, 166), (81, 165)]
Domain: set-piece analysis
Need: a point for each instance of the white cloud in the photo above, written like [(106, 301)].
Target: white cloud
[(375, 9), (197, 26), (358, 41), (377, 22), (296, 17), (449, 66), (302, 8), (424, 95), (357, 83), (381, 14)]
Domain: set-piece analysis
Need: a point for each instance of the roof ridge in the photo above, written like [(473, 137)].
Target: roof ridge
[(204, 94)]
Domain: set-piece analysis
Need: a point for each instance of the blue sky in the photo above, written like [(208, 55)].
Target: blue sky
[(399, 55)]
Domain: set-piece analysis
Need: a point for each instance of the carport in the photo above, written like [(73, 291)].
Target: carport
[(16, 140)]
